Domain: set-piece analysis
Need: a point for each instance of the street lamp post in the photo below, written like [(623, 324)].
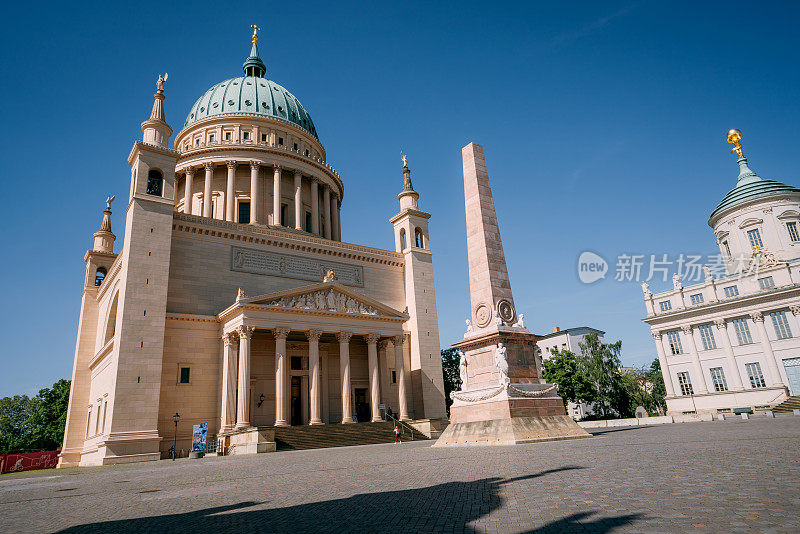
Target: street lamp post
[(175, 418)]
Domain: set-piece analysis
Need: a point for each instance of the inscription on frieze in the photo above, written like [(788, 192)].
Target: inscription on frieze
[(248, 260)]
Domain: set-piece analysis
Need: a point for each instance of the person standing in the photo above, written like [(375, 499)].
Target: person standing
[(397, 434)]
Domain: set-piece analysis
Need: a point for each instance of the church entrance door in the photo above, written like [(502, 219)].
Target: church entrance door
[(296, 403), (362, 406)]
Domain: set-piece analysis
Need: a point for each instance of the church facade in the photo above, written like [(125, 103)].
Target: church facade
[(731, 343), (234, 299)]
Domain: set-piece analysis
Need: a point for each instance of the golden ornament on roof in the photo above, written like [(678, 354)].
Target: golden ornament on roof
[(735, 138)]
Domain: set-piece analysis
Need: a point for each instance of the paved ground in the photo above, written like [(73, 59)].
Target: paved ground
[(727, 476)]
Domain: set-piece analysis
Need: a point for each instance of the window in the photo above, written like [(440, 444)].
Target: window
[(781, 325), (263, 138), (306, 153), (296, 363), (727, 248), (183, 376), (244, 212), (88, 422), (227, 136), (731, 291), (99, 276), (97, 419), (402, 239), (246, 136), (742, 331), (674, 338), (308, 221), (155, 183), (280, 141), (792, 228), (665, 305), (394, 377), (685, 383), (197, 142), (284, 214), (210, 138), (697, 298), (718, 377), (707, 336), (105, 411), (766, 282), (755, 238), (111, 323), (295, 146), (419, 242), (756, 376)]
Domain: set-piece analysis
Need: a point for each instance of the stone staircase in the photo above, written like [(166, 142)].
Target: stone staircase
[(787, 406), (337, 435)]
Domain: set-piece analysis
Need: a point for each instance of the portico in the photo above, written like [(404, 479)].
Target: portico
[(319, 354)]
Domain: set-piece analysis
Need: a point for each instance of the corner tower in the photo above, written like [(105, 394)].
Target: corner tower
[(411, 239)]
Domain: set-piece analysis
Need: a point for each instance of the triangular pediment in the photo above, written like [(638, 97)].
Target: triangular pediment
[(326, 297)]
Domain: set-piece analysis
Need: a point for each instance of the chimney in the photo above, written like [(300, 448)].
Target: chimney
[(556, 329)]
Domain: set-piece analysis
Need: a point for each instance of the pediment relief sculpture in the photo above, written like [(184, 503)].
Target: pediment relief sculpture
[(324, 300)]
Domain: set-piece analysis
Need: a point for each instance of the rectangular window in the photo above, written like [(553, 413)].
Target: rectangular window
[(280, 141), (781, 325), (766, 282), (394, 377), (284, 214), (295, 146), (246, 136), (227, 136), (665, 305), (97, 419), (756, 376), (674, 338), (792, 228), (308, 221), (263, 138), (184, 375), (707, 336), (210, 138), (696, 298), (105, 411), (244, 212), (755, 238), (718, 377), (742, 331), (296, 363), (727, 248), (88, 422), (685, 383), (731, 291)]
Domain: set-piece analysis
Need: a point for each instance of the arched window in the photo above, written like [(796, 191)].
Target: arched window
[(419, 241), (155, 183), (99, 276), (402, 238), (111, 323)]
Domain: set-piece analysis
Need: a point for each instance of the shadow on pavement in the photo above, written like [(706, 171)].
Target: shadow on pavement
[(450, 506), (601, 431)]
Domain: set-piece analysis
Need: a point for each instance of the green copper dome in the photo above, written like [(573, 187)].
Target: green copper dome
[(749, 187), (251, 94)]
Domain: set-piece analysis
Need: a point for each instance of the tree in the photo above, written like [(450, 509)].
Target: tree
[(450, 372), (34, 424), (600, 362), (573, 385), (658, 392)]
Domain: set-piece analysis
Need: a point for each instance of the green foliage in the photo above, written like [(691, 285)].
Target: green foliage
[(601, 363), (450, 372), (573, 385), (34, 424)]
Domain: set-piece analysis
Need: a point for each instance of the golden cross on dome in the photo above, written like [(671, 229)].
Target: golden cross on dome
[(255, 33), (735, 138)]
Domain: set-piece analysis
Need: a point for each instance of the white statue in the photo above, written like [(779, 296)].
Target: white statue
[(404, 158), (646, 290), (520, 321), (109, 200), (469, 325), (462, 370), (708, 273), (330, 276), (501, 362), (676, 281), (160, 82), (240, 294)]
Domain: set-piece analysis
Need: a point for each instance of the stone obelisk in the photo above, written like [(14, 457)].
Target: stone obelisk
[(502, 400)]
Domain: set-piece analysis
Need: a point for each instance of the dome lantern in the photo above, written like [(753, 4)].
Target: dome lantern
[(253, 66)]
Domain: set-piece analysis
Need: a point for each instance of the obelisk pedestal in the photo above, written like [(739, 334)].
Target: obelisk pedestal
[(503, 400)]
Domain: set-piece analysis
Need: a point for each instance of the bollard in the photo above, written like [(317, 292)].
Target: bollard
[(769, 413), (745, 416)]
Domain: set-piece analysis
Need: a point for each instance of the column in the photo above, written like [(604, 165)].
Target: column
[(314, 206), (766, 346), (228, 410), (400, 369), (722, 330), (207, 189), (374, 380), (255, 192), (187, 194), (280, 376), (230, 204), (326, 203), (315, 385), (276, 196), (702, 387), (242, 400), (662, 359), (344, 373), (335, 217), (298, 200)]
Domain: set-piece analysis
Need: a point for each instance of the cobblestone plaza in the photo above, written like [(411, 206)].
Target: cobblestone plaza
[(730, 476)]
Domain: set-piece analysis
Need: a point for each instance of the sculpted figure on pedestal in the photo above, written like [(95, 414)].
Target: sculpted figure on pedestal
[(462, 370), (501, 362), (469, 325)]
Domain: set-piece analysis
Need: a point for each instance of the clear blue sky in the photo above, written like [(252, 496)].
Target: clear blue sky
[(603, 126)]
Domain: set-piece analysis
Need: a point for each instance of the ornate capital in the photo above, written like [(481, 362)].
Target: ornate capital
[(209, 166), (795, 309), (255, 165), (230, 338), (398, 340), (335, 195), (385, 343), (719, 323), (344, 337), (313, 180), (231, 164), (687, 329), (298, 172), (246, 332), (372, 338), (281, 333), (276, 168), (189, 171), (314, 335), (757, 317), (656, 334)]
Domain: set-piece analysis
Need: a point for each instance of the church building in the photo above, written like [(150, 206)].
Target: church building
[(235, 299)]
